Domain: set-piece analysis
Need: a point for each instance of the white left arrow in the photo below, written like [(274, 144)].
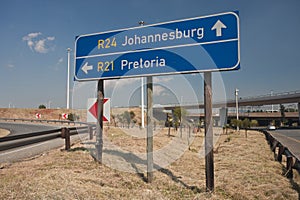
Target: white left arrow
[(218, 27), (86, 68)]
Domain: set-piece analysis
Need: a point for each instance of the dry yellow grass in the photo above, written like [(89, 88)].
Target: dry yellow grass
[(244, 169)]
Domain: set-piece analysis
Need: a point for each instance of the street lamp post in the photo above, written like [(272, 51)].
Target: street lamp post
[(49, 104), (237, 108), (141, 23), (68, 80), (272, 108), (299, 113)]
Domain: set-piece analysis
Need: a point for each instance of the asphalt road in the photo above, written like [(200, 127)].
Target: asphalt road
[(19, 128), (292, 133), (289, 138)]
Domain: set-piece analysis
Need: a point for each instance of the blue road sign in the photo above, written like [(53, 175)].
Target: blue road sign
[(207, 43)]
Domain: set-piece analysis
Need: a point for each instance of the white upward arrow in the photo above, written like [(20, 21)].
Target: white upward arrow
[(86, 68), (218, 27)]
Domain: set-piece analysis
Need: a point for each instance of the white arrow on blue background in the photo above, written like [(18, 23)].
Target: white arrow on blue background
[(86, 68), (218, 27)]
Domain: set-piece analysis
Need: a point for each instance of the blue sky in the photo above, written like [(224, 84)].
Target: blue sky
[(35, 35)]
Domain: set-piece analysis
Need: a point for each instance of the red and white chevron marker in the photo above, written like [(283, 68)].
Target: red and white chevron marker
[(92, 109), (38, 115), (64, 116)]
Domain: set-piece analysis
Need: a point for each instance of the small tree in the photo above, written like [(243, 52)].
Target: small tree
[(254, 123), (179, 116), (113, 119), (169, 122), (132, 116), (225, 129), (127, 118), (73, 117), (246, 124), (235, 123), (42, 106), (121, 120)]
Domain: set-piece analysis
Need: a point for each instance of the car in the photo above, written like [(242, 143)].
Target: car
[(271, 127)]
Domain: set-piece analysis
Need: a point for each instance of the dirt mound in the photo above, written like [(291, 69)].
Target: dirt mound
[(48, 114), (55, 114)]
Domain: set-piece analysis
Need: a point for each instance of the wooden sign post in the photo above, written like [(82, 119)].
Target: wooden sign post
[(149, 129), (209, 155), (99, 127)]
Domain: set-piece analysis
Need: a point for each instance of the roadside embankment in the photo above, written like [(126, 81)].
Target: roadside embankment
[(244, 169)]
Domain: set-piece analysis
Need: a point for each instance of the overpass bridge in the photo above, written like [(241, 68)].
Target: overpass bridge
[(279, 98)]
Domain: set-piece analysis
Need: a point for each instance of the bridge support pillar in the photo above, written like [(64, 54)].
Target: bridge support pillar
[(223, 116)]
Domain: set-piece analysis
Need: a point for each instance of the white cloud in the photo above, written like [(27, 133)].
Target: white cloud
[(30, 44), (163, 79), (121, 82), (10, 65), (37, 43), (30, 36), (58, 64), (40, 46), (60, 60), (158, 90), (50, 38)]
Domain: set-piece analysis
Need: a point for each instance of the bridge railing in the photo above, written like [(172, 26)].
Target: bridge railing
[(272, 95)]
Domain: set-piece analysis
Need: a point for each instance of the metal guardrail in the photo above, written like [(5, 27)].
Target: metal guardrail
[(14, 141), (292, 161)]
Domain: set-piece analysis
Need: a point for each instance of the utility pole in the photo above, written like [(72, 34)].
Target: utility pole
[(68, 80), (237, 108)]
